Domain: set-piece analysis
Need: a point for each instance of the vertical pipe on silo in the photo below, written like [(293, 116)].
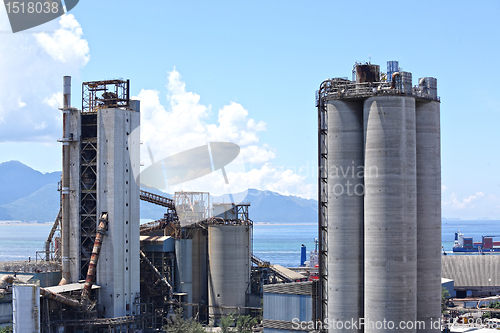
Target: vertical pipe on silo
[(428, 214), (65, 182), (345, 213), (390, 211)]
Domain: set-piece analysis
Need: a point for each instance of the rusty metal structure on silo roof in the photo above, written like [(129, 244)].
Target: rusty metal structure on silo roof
[(370, 265)]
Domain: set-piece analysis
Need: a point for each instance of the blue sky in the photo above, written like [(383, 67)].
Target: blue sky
[(247, 71)]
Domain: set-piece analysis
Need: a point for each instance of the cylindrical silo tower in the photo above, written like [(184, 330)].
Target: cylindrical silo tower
[(229, 268), (390, 219), (345, 212), (428, 213)]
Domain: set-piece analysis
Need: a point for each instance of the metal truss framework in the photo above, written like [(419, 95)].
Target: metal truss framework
[(115, 94), (322, 199), (88, 190)]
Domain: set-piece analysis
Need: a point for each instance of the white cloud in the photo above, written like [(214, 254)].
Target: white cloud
[(466, 202), (20, 103), (186, 124), (477, 205), (66, 44), (32, 67)]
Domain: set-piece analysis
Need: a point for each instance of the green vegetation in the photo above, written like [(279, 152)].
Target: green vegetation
[(179, 325), (444, 297), (244, 324), (229, 323), (225, 323), (494, 305), (6, 329)]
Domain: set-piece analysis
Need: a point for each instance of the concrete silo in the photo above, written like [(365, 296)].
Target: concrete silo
[(345, 209), (379, 179), (229, 268), (428, 208), (390, 210)]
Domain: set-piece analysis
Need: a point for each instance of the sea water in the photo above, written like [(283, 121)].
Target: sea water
[(276, 243)]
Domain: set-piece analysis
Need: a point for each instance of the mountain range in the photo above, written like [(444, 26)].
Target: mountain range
[(29, 195)]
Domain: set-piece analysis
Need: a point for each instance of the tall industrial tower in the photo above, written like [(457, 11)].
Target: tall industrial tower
[(379, 200), (100, 159)]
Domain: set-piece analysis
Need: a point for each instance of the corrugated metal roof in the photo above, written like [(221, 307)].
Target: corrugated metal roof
[(294, 288), (472, 270), (279, 325)]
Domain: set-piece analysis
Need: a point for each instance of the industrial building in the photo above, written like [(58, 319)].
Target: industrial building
[(379, 196), (379, 190), (472, 275), (107, 272)]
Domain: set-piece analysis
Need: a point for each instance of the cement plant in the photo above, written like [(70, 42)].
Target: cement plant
[(378, 255)]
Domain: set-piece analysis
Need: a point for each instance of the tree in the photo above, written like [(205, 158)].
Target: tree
[(178, 324), (244, 324), (444, 297), (226, 322), (6, 329)]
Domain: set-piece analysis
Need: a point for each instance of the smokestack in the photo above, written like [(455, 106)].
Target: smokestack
[(67, 92), (65, 181)]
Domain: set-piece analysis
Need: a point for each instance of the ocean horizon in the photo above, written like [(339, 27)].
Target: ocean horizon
[(278, 243)]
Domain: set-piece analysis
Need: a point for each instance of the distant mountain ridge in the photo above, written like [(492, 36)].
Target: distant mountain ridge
[(29, 195)]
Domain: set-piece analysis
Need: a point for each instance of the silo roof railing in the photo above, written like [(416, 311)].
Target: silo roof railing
[(345, 89)]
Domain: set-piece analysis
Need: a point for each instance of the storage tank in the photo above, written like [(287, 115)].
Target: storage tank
[(26, 307), (367, 73), (428, 86), (390, 226), (200, 268), (229, 268), (227, 211), (184, 272), (428, 211), (345, 211), (403, 83)]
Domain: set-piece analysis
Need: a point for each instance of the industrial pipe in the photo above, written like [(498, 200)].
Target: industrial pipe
[(51, 235), (66, 277), (58, 298), (393, 82), (6, 280), (101, 231), (156, 271), (9, 279)]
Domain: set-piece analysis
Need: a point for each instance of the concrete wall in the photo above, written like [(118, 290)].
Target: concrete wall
[(118, 271), (428, 212), (345, 211), (390, 210), (74, 187)]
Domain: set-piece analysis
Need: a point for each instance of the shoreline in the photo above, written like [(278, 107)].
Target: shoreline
[(19, 223)]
